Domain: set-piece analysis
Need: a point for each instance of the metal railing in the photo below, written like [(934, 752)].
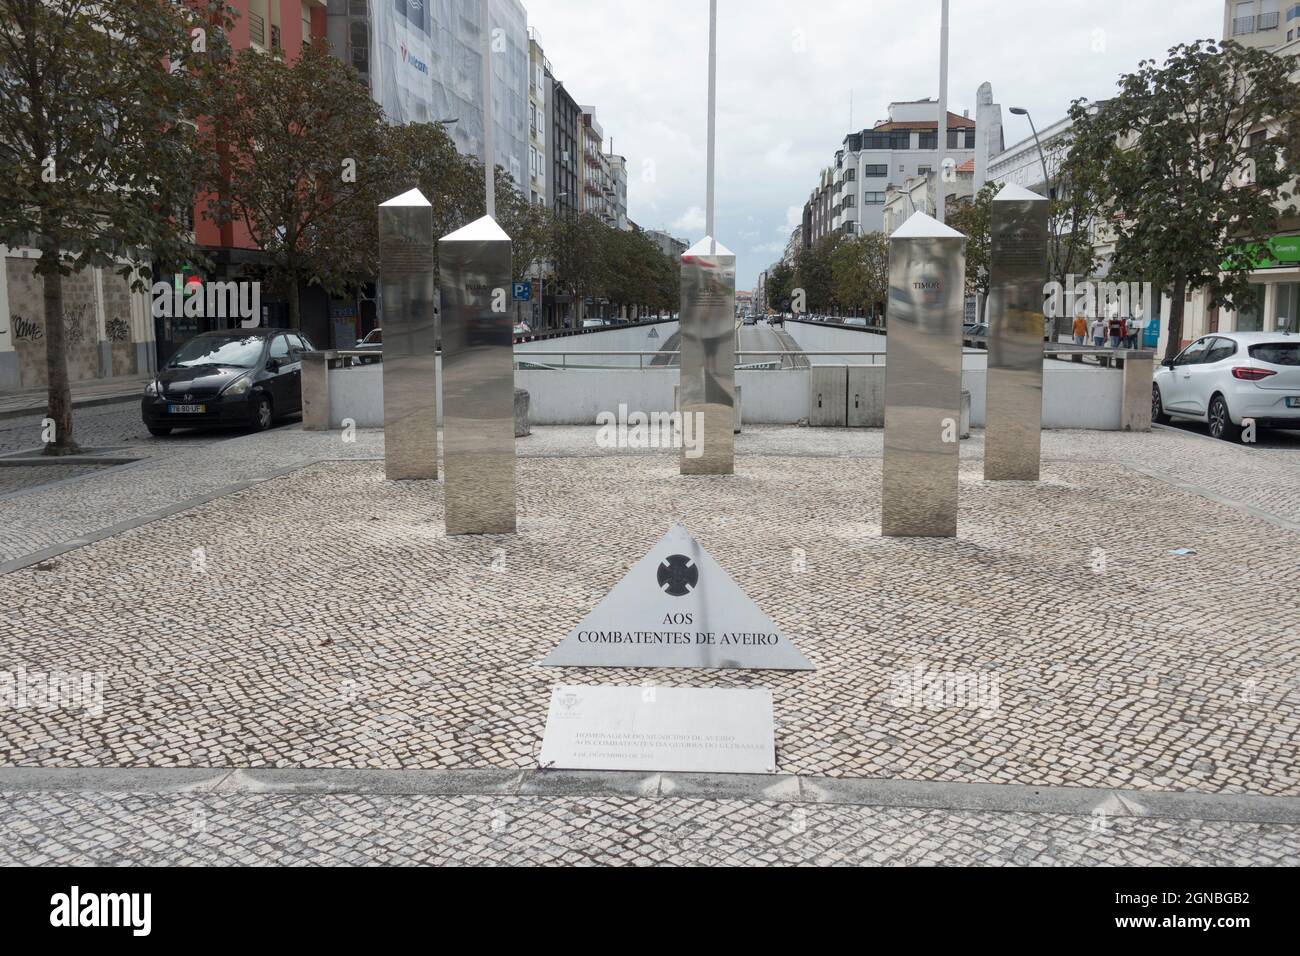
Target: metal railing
[(549, 359), (1242, 25)]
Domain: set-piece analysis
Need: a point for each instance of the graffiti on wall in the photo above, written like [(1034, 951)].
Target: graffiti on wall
[(26, 330), (117, 330)]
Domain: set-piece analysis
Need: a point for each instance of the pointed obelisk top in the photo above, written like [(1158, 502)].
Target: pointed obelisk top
[(921, 226), (412, 197), (1013, 193), (480, 230)]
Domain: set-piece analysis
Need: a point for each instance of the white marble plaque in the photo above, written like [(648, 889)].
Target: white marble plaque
[(682, 729), (677, 607)]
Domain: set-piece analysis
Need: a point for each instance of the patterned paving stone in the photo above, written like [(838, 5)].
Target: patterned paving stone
[(105, 829), (328, 622)]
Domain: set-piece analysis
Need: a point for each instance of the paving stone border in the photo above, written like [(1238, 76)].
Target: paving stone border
[(773, 789)]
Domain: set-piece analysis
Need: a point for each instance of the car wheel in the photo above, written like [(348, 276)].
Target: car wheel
[(263, 416), (158, 431), (1157, 407), (1221, 425)]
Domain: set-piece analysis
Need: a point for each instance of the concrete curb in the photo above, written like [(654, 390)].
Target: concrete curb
[(780, 789)]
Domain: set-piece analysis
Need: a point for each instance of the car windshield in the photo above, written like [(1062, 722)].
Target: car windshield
[(239, 351), (1277, 353)]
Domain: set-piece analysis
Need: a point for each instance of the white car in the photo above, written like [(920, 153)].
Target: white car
[(1231, 377)]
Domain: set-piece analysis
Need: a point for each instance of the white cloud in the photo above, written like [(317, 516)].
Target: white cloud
[(785, 70), (692, 221)]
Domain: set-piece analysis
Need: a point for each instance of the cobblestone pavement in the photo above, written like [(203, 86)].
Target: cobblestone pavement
[(322, 619), (107, 829), (290, 640), (102, 426), (17, 479)]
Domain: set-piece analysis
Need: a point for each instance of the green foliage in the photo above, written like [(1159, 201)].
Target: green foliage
[(303, 165), (972, 219), (780, 286), (97, 161), (860, 272), (813, 273), (1180, 178)]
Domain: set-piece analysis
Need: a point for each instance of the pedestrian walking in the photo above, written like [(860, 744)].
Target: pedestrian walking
[(1116, 326), (1098, 332), (1080, 328)]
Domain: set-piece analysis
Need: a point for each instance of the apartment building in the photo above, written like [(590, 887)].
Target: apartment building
[(1267, 24), (539, 157), (596, 190), (616, 190), (565, 151), (903, 146), (422, 60), (668, 244)]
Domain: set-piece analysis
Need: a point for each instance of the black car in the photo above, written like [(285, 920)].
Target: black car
[(235, 377)]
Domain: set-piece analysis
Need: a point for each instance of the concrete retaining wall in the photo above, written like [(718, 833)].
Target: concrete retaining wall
[(1074, 396)]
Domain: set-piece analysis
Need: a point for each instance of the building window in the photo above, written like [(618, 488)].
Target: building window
[(928, 140), (359, 45), (875, 170), (873, 199), (850, 174)]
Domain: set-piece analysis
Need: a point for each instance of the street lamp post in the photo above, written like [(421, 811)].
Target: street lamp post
[(1047, 179), (1051, 195)]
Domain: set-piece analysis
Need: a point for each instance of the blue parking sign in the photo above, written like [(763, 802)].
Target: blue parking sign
[(523, 291)]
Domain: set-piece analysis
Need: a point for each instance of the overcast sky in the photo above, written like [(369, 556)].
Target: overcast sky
[(785, 69)]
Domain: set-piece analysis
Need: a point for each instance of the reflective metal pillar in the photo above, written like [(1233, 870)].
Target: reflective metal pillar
[(1017, 269), (410, 326), (478, 380), (927, 277), (708, 358)]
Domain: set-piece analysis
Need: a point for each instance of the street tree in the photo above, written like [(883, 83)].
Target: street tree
[(303, 168), (860, 272), (99, 162), (1189, 175), (971, 217), (780, 286)]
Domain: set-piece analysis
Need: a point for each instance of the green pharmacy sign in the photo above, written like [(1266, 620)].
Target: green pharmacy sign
[(1279, 252)]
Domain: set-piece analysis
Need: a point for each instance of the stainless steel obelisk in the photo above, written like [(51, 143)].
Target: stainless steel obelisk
[(708, 359), (707, 377), (410, 326), (478, 380), (927, 277), (1018, 264)]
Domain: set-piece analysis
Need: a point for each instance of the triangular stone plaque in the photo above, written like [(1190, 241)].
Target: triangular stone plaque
[(677, 607)]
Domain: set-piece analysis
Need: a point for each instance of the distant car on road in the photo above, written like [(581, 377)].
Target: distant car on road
[(235, 377), (750, 319), (1228, 378), (372, 342), (856, 321)]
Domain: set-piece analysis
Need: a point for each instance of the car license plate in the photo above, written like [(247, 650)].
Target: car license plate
[(186, 409), (1293, 401)]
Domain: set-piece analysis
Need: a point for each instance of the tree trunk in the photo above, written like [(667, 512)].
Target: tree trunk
[(59, 410), (294, 322), (1174, 343)]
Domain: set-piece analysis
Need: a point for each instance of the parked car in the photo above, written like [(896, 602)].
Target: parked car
[(235, 377), (856, 321), (592, 324), (373, 342), (1227, 378)]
